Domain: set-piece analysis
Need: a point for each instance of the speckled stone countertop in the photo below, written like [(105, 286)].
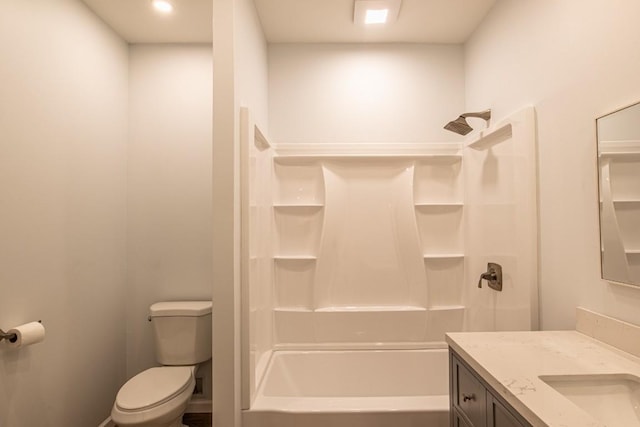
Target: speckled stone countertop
[(512, 362)]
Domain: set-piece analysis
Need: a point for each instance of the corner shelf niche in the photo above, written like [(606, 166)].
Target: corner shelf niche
[(298, 229), (438, 181), (298, 212), (298, 184), (438, 202)]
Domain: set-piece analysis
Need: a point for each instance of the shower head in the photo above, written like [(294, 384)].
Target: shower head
[(460, 125)]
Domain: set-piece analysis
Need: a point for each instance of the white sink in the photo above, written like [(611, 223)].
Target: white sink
[(612, 399)]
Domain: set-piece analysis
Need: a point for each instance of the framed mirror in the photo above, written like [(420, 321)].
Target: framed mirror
[(618, 136)]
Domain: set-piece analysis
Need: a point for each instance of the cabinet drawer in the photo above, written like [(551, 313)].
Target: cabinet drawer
[(469, 395)]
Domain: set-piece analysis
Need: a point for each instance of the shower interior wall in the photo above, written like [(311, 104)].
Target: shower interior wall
[(368, 241), (380, 246), (257, 270), (319, 93)]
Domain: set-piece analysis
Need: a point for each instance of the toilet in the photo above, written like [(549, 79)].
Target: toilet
[(158, 397)]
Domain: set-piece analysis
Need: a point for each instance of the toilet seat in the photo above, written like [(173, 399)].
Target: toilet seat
[(154, 387)]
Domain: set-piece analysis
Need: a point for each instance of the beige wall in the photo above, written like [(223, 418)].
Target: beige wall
[(370, 93), (169, 186), (573, 60), (63, 119)]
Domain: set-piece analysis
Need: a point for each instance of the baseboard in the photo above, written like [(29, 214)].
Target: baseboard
[(200, 406)]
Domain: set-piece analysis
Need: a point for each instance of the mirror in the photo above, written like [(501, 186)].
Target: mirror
[(618, 135)]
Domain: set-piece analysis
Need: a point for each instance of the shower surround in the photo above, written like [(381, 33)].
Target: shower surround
[(355, 241), (379, 247)]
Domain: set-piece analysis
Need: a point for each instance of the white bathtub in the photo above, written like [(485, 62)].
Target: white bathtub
[(382, 388)]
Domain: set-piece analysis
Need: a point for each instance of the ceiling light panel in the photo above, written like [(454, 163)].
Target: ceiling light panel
[(162, 6), (371, 12)]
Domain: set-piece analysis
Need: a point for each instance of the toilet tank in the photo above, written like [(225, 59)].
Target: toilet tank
[(182, 331)]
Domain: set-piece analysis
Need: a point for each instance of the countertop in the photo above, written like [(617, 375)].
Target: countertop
[(511, 362)]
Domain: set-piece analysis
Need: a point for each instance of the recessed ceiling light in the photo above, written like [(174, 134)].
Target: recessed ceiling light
[(162, 6), (367, 12), (376, 16)]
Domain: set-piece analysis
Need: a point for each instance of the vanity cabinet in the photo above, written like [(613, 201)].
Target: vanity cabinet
[(474, 403)]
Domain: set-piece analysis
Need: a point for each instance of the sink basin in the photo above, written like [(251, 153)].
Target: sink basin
[(612, 399)]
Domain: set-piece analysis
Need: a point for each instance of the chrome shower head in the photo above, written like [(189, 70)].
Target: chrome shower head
[(460, 125)]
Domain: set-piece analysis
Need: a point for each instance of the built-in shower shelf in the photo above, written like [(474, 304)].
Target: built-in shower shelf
[(632, 252), (292, 310), (438, 204), (627, 202), (447, 307), (622, 202), (293, 206), (621, 155), (443, 256), (295, 258), (490, 137), (369, 308)]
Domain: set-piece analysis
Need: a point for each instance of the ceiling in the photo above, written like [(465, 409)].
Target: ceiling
[(331, 21), (297, 21), (137, 22)]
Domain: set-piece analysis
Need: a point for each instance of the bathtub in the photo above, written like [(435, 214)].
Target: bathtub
[(354, 388)]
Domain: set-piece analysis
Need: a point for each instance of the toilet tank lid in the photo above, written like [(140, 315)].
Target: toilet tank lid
[(180, 308)]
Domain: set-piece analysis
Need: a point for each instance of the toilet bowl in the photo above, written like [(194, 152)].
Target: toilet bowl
[(158, 397)]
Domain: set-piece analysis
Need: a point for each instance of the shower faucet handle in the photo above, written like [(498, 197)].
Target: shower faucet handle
[(493, 276)]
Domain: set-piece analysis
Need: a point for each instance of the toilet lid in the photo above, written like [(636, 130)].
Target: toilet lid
[(153, 387)]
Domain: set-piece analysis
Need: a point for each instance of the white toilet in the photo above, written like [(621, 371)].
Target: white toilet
[(158, 397)]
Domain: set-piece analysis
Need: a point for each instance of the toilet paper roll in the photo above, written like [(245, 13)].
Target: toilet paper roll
[(27, 334)]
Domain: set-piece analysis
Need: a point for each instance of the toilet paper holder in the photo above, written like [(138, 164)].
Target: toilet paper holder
[(6, 336), (10, 336)]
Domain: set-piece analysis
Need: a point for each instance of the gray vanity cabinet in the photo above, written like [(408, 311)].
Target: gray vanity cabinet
[(474, 403)]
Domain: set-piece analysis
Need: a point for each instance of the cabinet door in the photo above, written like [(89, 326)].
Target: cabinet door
[(458, 420), (498, 415), (469, 395)]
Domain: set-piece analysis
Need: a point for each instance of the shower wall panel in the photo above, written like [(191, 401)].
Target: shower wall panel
[(257, 256), (368, 247), (298, 200), (370, 253), (501, 225)]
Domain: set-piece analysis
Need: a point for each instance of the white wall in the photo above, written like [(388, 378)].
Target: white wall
[(239, 79), (251, 65), (169, 186), (574, 60), (63, 120), (364, 92)]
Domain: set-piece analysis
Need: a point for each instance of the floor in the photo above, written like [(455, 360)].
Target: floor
[(197, 420)]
